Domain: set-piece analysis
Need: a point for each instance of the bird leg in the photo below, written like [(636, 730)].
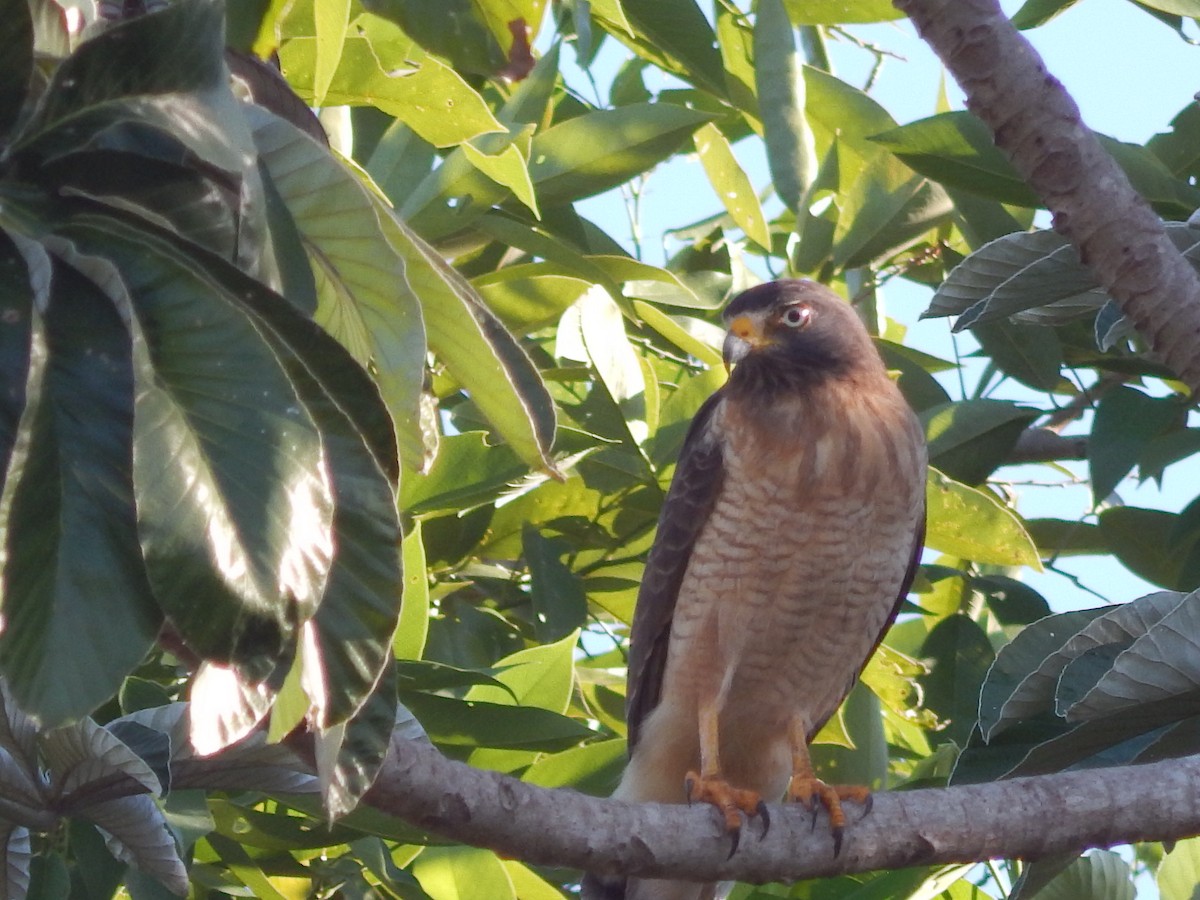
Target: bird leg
[(709, 785), (808, 790)]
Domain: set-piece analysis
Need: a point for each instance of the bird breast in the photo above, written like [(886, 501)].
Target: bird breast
[(798, 568)]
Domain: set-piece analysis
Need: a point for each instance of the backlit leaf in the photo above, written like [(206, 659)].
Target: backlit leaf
[(971, 524)]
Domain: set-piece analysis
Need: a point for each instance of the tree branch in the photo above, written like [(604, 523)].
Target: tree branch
[(1038, 126), (1020, 818)]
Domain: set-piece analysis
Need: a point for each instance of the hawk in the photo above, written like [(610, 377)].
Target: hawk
[(787, 540)]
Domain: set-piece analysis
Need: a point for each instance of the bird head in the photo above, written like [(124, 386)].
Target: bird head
[(795, 333)]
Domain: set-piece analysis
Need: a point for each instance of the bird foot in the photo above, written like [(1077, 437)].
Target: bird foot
[(812, 793), (733, 803)]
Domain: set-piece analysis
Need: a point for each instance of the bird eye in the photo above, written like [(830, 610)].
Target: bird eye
[(796, 316)]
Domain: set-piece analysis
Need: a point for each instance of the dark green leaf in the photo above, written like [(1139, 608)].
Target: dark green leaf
[(431, 677), (16, 344), (672, 34), (246, 523), (1126, 421), (559, 602), (956, 149), (71, 537), (599, 150), (1061, 537), (969, 439), (1142, 540), (473, 723), (349, 755), (16, 66), (178, 50), (1012, 602), (1038, 12), (1101, 875), (1031, 354), (962, 655)]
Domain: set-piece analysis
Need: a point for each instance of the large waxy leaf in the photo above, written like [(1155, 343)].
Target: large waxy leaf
[(1159, 664), (839, 12), (480, 354), (432, 99), (465, 723), (16, 856), (350, 753), (178, 50), (89, 764), (672, 34), (251, 764), (731, 183), (233, 498), (971, 524), (961, 653), (529, 296), (1101, 875), (1126, 421), (968, 439), (16, 67), (71, 468), (779, 81), (362, 296), (463, 873), (1148, 543), (591, 153), (1025, 677), (16, 344)]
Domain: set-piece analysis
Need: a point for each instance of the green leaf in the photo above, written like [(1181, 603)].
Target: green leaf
[(1178, 874), (962, 654), (1144, 540), (179, 50), (559, 602), (350, 754), (1062, 537), (539, 676), (246, 523), (70, 533), (484, 358), (1032, 354), (839, 12), (1101, 875), (530, 296), (17, 367), (779, 81), (1126, 421), (16, 68), (957, 150), (456, 29), (1157, 665), (463, 873), (590, 153), (331, 20), (886, 210), (413, 626), (361, 282), (672, 34), (507, 167), (969, 439), (465, 472), (972, 524), (472, 723), (593, 768), (432, 99), (732, 185)]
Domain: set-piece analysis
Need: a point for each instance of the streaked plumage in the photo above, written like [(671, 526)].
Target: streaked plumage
[(787, 540)]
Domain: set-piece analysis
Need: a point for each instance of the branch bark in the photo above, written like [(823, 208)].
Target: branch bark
[(1039, 128), (1021, 818)]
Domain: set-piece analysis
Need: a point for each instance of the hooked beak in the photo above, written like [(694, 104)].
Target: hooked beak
[(745, 334)]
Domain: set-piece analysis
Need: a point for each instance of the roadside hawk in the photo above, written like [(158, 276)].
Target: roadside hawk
[(788, 538)]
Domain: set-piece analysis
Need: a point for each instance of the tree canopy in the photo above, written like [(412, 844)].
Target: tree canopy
[(332, 449)]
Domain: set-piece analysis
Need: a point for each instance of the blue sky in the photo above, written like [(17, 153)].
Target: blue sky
[(1130, 75)]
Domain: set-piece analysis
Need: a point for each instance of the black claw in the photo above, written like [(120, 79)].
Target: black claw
[(837, 842), (689, 785), (762, 812), (868, 804), (736, 834), (815, 810)]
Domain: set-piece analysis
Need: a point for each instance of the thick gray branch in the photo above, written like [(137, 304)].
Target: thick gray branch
[(1038, 126), (1024, 817)]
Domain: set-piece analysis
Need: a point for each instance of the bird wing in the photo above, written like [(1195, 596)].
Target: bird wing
[(689, 502)]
